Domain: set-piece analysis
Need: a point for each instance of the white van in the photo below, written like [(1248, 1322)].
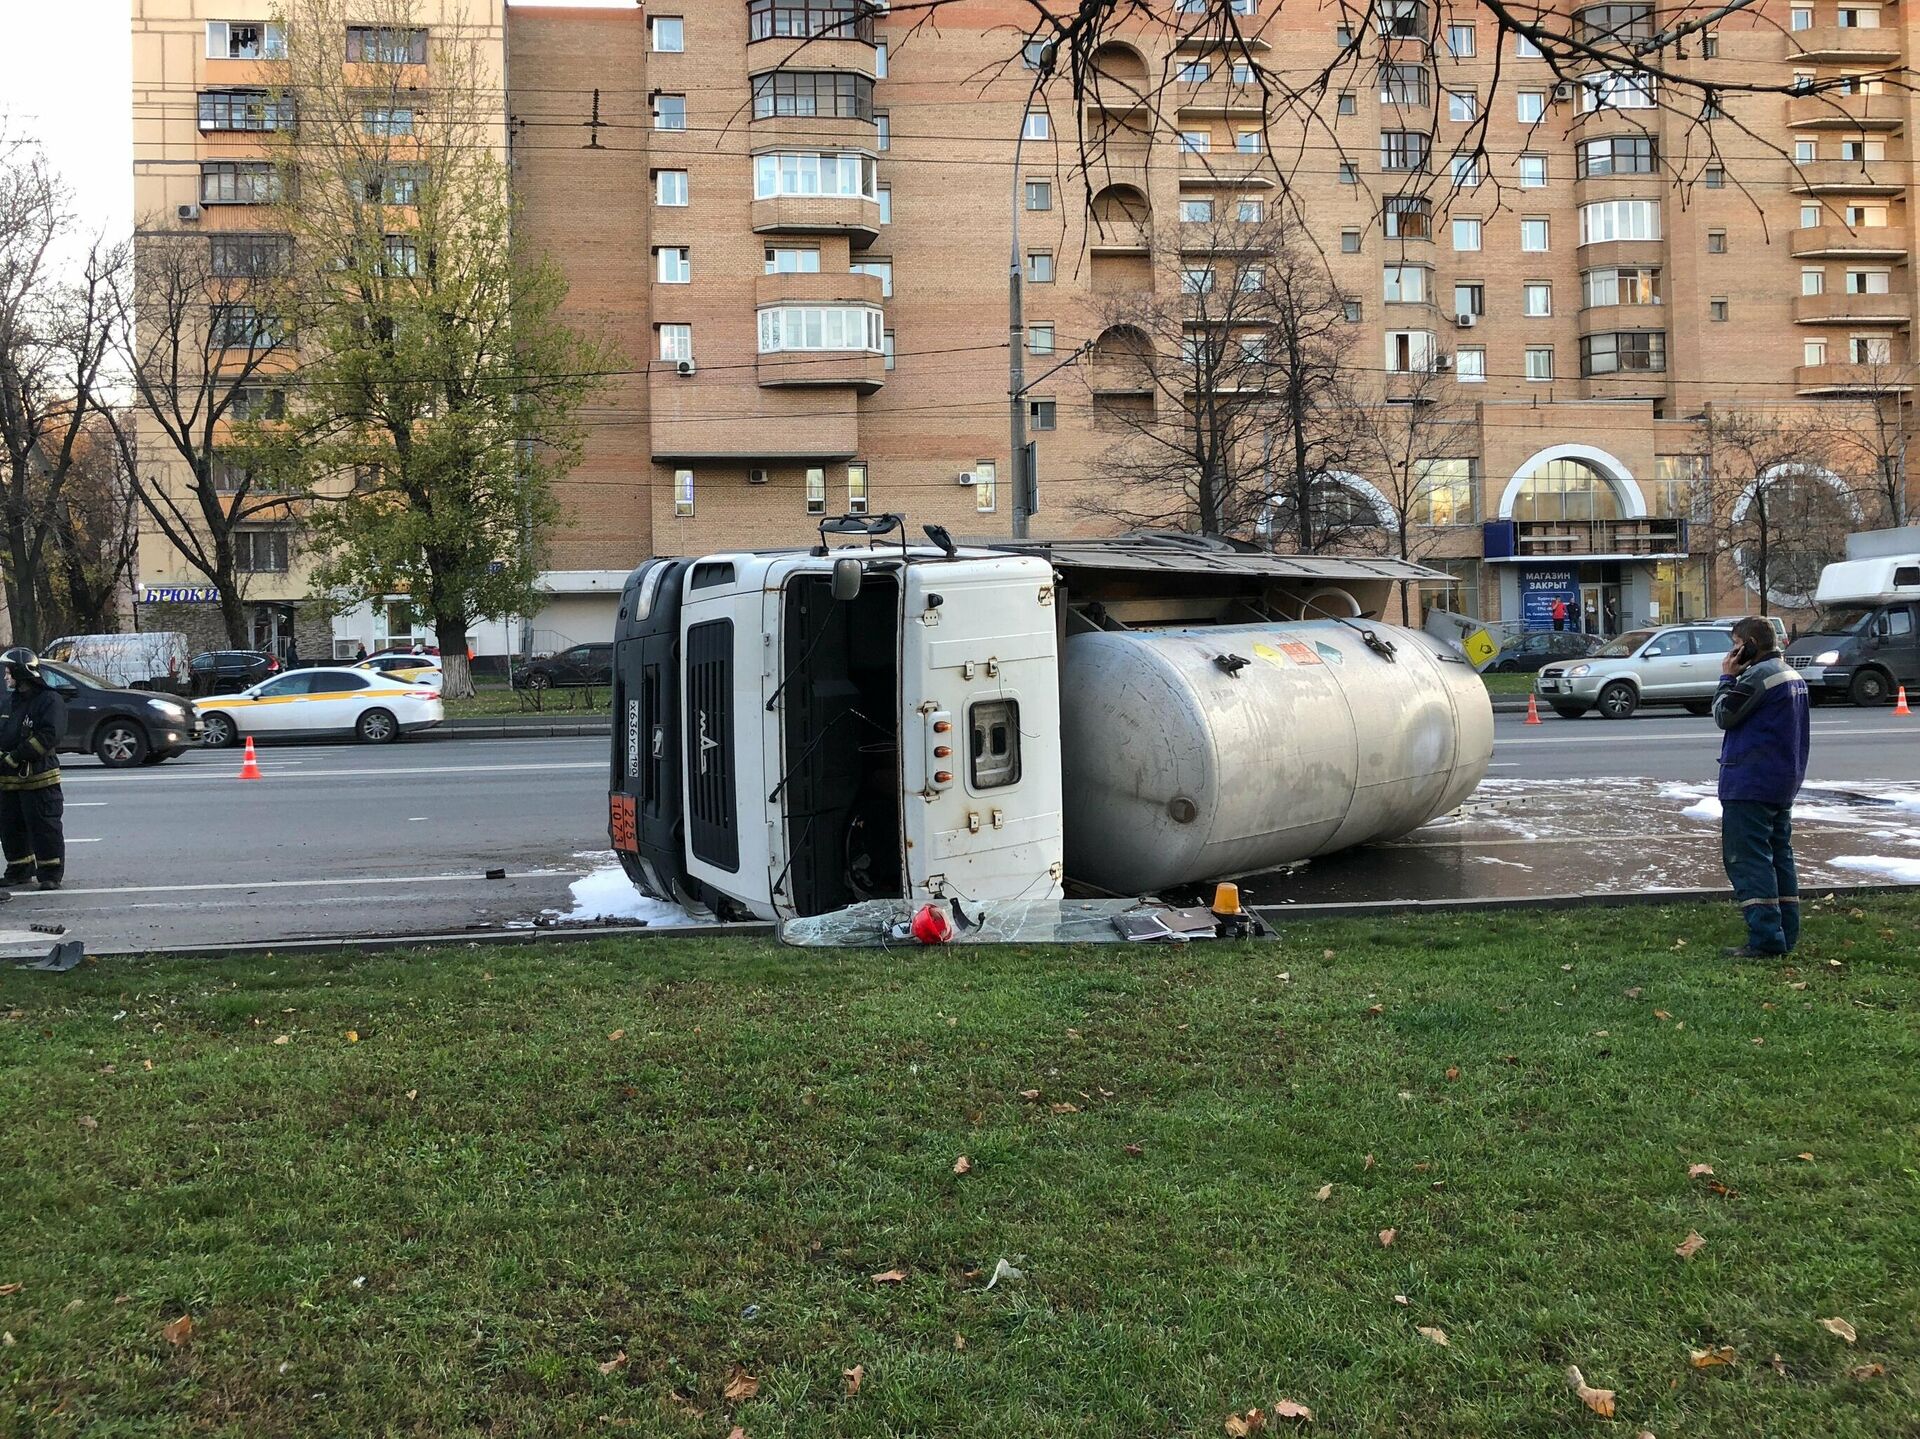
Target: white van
[(157, 660)]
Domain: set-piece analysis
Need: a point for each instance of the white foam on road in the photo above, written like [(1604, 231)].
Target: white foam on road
[(1904, 871), (608, 894)]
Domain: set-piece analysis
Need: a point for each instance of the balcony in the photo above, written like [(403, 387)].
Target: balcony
[(1239, 169), (1845, 45), (1837, 242), (1846, 177), (806, 132), (854, 216), (861, 370), (723, 415), (1118, 159), (816, 289), (1845, 309), (1846, 112), (1625, 385), (1118, 237), (1218, 97), (1613, 319), (1534, 539), (1890, 378), (1630, 254)]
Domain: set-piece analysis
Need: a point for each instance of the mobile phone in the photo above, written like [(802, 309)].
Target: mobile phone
[(1740, 652)]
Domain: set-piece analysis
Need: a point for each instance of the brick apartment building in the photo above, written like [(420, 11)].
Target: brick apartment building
[(793, 216)]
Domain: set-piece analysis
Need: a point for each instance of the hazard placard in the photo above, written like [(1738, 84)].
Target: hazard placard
[(1480, 647)]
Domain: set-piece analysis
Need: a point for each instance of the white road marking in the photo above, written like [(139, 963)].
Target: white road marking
[(1629, 739), (87, 804), (71, 840), (184, 776), (468, 878)]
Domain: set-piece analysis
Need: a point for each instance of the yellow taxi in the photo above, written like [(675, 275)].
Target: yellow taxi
[(323, 704)]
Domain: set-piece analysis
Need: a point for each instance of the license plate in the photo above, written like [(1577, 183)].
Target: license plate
[(1549, 686)]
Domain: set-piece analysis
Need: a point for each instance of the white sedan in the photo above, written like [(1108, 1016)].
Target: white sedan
[(322, 703)]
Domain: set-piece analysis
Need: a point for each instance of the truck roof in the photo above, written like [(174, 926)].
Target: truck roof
[(1197, 554), (1887, 577)]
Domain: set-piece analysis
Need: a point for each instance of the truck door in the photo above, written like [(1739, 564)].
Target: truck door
[(645, 801), (980, 730)]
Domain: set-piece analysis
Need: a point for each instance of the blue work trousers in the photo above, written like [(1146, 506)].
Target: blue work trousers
[(1756, 842)]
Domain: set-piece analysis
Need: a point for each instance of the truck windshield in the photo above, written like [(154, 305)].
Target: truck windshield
[(1841, 619), (1625, 645)]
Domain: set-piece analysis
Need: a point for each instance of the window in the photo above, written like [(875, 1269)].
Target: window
[(1618, 155), (260, 552), (835, 94), (1620, 286), (1040, 339), (1869, 282), (1407, 217), (385, 45), (1248, 142), (882, 131), (1714, 177), (230, 475), (1403, 84), (885, 196), (1677, 481), (1443, 489), (1865, 217), (1601, 23), (994, 743), (1858, 17), (1805, 152), (683, 494), (1348, 104), (1524, 48), (886, 349), (1469, 298), (245, 40), (394, 185), (1813, 352), (1616, 90), (1870, 349), (1801, 17), (1466, 235), (244, 110), (1464, 169), (1040, 267), (1251, 212), (399, 255), (1533, 236), (676, 342), (1536, 299), (816, 491), (1404, 284), (1531, 105), (880, 59), (1033, 53), (669, 34), (1253, 349), (1195, 142), (259, 402), (1037, 126), (1194, 72), (1462, 106), (881, 270), (856, 489), (669, 112), (1196, 281), (1343, 36), (813, 173), (1459, 40), (1470, 367), (1813, 282), (1642, 353), (1403, 150), (1196, 212), (1244, 74), (1809, 216), (1409, 350), (1039, 194), (388, 120), (1400, 19), (1351, 310), (1717, 308), (674, 265), (791, 260), (235, 254), (1619, 220), (670, 187), (1533, 172), (239, 182), (1349, 173), (1862, 150), (1709, 47), (985, 484), (1540, 362), (821, 327), (1349, 242), (1716, 242), (1040, 414)]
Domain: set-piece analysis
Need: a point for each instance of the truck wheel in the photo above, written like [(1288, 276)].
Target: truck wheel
[(1699, 707), (378, 727), (218, 731), (1869, 688), (120, 744), (1619, 700)]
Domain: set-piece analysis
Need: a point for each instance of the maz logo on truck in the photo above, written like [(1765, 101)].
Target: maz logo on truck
[(705, 743)]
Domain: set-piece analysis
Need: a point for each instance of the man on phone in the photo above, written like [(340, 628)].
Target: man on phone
[(1763, 707)]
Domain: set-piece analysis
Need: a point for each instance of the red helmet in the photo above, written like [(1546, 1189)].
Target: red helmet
[(932, 925)]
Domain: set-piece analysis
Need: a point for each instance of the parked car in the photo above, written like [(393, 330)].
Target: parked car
[(222, 672), (1679, 664), (322, 703), (154, 660), (122, 727), (402, 666), (1524, 654), (570, 669)]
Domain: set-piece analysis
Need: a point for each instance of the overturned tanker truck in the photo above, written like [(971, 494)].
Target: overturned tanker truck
[(798, 731)]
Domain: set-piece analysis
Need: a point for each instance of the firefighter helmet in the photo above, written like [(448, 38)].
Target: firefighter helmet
[(23, 664)]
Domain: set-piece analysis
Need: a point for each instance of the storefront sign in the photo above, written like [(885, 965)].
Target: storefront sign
[(179, 594), (1540, 587)]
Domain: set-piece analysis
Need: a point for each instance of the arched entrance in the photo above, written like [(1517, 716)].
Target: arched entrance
[(1579, 541)]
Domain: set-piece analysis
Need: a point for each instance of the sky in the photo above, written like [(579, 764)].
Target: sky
[(77, 100)]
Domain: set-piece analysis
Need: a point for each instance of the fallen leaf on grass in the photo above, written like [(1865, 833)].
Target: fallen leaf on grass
[(959, 1343), (13, 1288), (413, 1094), (1323, 1193), (1691, 1245), (1694, 1171), (741, 1385), (178, 1331), (1798, 984), (284, 1039), (736, 1432), (1133, 1151), (854, 1377), (1808, 1158), (1712, 1357), (1661, 1014), (1386, 1237), (1376, 1010), (146, 1064), (1402, 1299), (1288, 1409), (1029, 1094), (1839, 1327), (353, 1036), (614, 1363), (1867, 1371), (617, 1035), (1714, 1186), (1367, 1163), (1779, 1366), (963, 1165), (1064, 1108), (87, 1121), (1453, 1072), (1252, 1422), (1634, 993), (1758, 1039), (1436, 1334), (1600, 1401), (7, 1340), (891, 1276)]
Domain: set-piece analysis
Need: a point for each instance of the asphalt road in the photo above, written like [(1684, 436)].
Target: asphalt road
[(348, 840)]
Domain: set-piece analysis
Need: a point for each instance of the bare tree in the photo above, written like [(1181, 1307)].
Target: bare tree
[(1870, 438), (95, 538), (206, 354), (54, 337)]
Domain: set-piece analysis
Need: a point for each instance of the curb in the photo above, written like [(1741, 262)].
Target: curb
[(1634, 899), (489, 727)]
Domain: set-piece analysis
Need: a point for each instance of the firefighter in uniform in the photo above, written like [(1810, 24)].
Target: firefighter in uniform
[(31, 803)]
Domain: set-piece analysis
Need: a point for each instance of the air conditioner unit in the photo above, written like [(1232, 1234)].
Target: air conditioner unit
[(1466, 321), (1442, 363), (1563, 92), (967, 478), (188, 212), (756, 477), (686, 369)]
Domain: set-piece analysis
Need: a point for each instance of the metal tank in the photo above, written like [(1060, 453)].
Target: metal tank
[(1194, 755)]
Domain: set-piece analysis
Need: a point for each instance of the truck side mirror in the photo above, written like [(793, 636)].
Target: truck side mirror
[(846, 579)]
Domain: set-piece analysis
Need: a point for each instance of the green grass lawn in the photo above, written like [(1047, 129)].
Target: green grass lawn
[(494, 697), (1508, 684), (577, 1190)]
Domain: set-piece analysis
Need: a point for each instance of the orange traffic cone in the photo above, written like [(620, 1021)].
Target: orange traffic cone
[(1533, 712), (1900, 702), (250, 766)]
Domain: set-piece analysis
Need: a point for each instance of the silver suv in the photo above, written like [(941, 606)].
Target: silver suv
[(1679, 664)]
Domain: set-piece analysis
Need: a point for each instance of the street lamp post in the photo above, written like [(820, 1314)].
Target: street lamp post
[(1016, 364)]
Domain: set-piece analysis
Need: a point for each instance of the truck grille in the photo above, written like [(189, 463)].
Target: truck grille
[(713, 829)]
